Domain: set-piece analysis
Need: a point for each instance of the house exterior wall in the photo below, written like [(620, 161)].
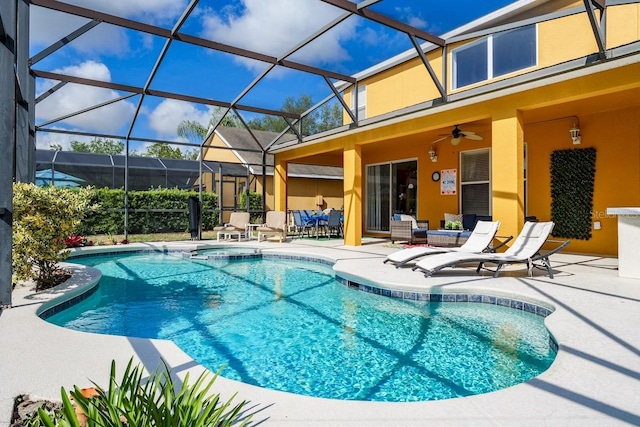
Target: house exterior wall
[(409, 83), (615, 135), (627, 28), (604, 99), (218, 151), (575, 28), (302, 193)]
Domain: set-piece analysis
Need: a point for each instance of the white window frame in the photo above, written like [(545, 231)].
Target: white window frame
[(488, 150), (489, 40), (361, 114)]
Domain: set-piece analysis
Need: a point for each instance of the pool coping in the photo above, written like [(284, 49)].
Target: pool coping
[(594, 343)]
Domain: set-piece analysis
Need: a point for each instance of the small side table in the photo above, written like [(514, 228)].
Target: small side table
[(250, 228), (447, 237)]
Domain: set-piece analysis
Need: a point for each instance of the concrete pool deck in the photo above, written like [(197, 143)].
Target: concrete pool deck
[(594, 381)]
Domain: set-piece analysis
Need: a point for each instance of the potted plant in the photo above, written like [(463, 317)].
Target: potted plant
[(453, 225)]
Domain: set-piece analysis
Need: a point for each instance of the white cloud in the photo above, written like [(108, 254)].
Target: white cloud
[(276, 26), (412, 17), (44, 139), (74, 97), (166, 117), (47, 26), (150, 11)]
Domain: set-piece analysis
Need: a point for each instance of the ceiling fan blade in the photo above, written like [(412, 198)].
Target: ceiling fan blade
[(473, 136), (441, 139)]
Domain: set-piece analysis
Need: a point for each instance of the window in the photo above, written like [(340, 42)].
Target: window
[(470, 64), (495, 55), (475, 182), (514, 50), (362, 102)]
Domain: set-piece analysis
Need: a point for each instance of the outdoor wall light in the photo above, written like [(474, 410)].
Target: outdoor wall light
[(575, 134), (432, 155)]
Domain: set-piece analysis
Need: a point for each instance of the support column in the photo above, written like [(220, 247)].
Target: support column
[(7, 142), (507, 172), (280, 185), (352, 166), (25, 141)]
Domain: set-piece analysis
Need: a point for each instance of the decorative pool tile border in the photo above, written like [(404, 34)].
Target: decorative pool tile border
[(450, 297), (223, 257), (67, 303), (122, 252), (305, 258)]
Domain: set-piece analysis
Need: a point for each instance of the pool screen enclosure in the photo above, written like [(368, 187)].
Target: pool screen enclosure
[(19, 71)]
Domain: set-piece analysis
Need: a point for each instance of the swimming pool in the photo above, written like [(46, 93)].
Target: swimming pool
[(289, 325)]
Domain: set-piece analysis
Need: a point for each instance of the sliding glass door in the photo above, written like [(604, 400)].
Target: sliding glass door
[(391, 188)]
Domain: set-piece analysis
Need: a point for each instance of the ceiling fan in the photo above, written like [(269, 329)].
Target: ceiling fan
[(457, 134)]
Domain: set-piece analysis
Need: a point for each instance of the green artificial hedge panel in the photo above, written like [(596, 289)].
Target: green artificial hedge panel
[(572, 181), (109, 218)]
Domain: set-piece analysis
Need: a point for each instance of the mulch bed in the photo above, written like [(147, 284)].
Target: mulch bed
[(25, 408)]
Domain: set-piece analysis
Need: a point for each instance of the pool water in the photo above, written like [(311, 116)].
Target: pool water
[(289, 325)]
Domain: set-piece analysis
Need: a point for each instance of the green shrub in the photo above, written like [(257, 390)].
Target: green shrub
[(255, 205), (43, 217), (110, 218), (138, 401), (453, 225)]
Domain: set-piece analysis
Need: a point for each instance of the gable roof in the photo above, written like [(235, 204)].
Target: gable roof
[(240, 138)]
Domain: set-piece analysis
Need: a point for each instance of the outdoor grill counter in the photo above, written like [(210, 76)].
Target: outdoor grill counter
[(628, 241)]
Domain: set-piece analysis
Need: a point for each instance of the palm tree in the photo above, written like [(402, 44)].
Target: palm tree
[(196, 132)]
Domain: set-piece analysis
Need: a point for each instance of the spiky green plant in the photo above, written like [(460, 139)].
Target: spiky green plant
[(139, 402)]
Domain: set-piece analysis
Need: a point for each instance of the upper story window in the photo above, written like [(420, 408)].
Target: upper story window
[(495, 55), (362, 102)]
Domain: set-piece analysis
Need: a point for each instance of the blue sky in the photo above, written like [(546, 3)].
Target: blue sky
[(273, 27)]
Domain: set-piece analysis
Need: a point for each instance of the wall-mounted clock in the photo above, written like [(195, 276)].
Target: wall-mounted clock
[(435, 177)]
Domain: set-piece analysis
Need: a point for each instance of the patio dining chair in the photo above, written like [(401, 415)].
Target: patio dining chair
[(334, 223), (302, 225)]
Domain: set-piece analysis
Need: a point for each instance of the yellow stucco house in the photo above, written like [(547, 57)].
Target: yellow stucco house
[(535, 81), (310, 186)]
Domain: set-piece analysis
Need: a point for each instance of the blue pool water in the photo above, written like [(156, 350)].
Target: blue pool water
[(289, 325)]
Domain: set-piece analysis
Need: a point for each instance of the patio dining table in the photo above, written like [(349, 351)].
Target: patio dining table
[(317, 218)]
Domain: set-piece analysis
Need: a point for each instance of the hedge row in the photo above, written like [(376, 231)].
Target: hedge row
[(255, 205), (109, 218)]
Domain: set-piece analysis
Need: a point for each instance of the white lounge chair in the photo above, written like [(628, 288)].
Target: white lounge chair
[(276, 224), (479, 241), (525, 249), (237, 225)]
